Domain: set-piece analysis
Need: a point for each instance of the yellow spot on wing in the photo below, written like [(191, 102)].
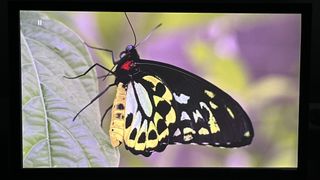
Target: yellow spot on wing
[(151, 143), (140, 146), (246, 134), (213, 105), (214, 128), (164, 134), (167, 95), (171, 117), (209, 93), (129, 142), (152, 79), (188, 130), (203, 131), (156, 100), (230, 112), (187, 137), (156, 118), (212, 121)]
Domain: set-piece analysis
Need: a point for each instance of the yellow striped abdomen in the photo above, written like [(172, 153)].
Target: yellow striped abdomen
[(118, 116)]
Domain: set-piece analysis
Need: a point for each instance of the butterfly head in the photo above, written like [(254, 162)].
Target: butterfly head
[(130, 53), (127, 60), (126, 65)]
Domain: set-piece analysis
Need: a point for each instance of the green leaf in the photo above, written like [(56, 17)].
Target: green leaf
[(50, 50)]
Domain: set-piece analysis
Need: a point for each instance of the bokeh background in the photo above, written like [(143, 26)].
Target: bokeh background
[(253, 57)]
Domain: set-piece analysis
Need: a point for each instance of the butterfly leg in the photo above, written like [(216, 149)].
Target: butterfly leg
[(105, 113), (102, 49), (100, 94), (96, 64), (105, 76)]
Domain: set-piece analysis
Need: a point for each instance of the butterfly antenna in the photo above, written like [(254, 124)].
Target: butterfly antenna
[(134, 34), (149, 34)]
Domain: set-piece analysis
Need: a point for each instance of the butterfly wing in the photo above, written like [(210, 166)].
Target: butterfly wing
[(168, 105), (149, 114), (205, 114)]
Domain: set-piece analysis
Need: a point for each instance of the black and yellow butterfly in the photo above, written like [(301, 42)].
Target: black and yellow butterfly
[(158, 104)]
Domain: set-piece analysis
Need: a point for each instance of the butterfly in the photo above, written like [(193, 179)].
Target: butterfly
[(158, 104)]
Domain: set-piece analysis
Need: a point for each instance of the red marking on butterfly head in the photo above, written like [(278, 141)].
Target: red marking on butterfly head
[(127, 65)]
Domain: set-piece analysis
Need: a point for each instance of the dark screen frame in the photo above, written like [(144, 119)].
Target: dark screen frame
[(15, 132)]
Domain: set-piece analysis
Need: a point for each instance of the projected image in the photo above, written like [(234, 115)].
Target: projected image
[(115, 89)]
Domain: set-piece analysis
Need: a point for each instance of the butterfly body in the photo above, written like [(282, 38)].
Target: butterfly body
[(158, 104), (118, 116)]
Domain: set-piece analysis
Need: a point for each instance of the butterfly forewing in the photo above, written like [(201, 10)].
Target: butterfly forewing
[(150, 115), (204, 113)]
